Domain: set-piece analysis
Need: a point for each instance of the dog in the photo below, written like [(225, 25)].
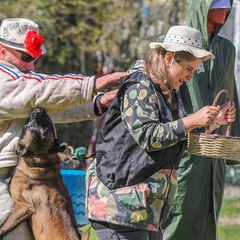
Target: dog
[(37, 188)]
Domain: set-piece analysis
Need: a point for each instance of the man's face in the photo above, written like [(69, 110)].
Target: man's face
[(19, 59), (216, 16)]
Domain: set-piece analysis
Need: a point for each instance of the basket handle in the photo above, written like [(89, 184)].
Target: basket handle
[(223, 91)]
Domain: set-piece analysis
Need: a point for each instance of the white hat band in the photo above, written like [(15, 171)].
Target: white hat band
[(183, 40)]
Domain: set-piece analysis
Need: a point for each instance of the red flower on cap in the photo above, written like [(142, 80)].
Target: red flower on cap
[(33, 43)]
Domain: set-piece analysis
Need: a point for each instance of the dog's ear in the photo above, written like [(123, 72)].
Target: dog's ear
[(56, 148), (21, 149)]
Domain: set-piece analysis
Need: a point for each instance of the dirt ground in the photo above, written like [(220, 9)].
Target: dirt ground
[(231, 192)]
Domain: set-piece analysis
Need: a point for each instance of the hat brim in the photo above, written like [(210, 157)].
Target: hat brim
[(175, 47), (19, 46)]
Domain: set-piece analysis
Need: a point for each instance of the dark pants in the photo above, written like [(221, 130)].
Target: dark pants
[(109, 231)]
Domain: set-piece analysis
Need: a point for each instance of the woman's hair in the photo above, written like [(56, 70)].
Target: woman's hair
[(157, 70)]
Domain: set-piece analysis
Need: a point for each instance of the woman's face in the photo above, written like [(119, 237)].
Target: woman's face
[(182, 71)]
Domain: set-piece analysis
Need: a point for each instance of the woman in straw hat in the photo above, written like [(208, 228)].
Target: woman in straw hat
[(132, 182)]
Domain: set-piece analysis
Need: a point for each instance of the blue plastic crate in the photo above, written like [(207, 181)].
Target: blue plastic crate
[(76, 185)]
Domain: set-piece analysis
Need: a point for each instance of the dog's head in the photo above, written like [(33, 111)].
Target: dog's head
[(38, 135)]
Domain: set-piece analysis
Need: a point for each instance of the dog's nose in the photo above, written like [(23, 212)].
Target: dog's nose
[(37, 113), (39, 110)]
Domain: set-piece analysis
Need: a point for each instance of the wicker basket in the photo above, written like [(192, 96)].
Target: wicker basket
[(214, 145)]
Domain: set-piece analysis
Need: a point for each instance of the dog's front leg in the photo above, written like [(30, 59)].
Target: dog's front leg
[(20, 213)]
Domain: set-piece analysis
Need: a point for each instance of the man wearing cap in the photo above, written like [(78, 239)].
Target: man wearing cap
[(201, 180), (67, 98)]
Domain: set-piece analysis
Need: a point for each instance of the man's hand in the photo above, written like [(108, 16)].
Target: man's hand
[(109, 80), (107, 98)]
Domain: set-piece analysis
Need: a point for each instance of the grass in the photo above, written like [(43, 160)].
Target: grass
[(231, 232), (229, 221), (231, 207)]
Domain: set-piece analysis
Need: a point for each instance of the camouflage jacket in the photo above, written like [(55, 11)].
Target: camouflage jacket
[(133, 179)]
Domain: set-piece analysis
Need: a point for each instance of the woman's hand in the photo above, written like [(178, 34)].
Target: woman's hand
[(203, 117), (227, 113)]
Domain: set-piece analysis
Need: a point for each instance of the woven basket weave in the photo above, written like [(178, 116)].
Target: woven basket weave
[(214, 145)]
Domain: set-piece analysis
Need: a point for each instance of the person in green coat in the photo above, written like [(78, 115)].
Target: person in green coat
[(201, 180)]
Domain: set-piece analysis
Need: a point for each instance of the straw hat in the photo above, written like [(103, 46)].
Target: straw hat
[(184, 38), (22, 34)]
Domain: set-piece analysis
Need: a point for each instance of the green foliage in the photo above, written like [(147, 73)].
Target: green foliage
[(76, 30)]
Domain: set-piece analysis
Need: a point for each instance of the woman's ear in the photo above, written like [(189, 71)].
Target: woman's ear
[(169, 58)]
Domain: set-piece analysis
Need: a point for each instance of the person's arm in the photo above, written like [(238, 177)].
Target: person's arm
[(211, 116), (82, 112), (140, 114), (20, 93)]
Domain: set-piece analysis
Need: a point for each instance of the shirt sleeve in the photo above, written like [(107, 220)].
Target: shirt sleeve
[(83, 112), (142, 117), (21, 93)]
